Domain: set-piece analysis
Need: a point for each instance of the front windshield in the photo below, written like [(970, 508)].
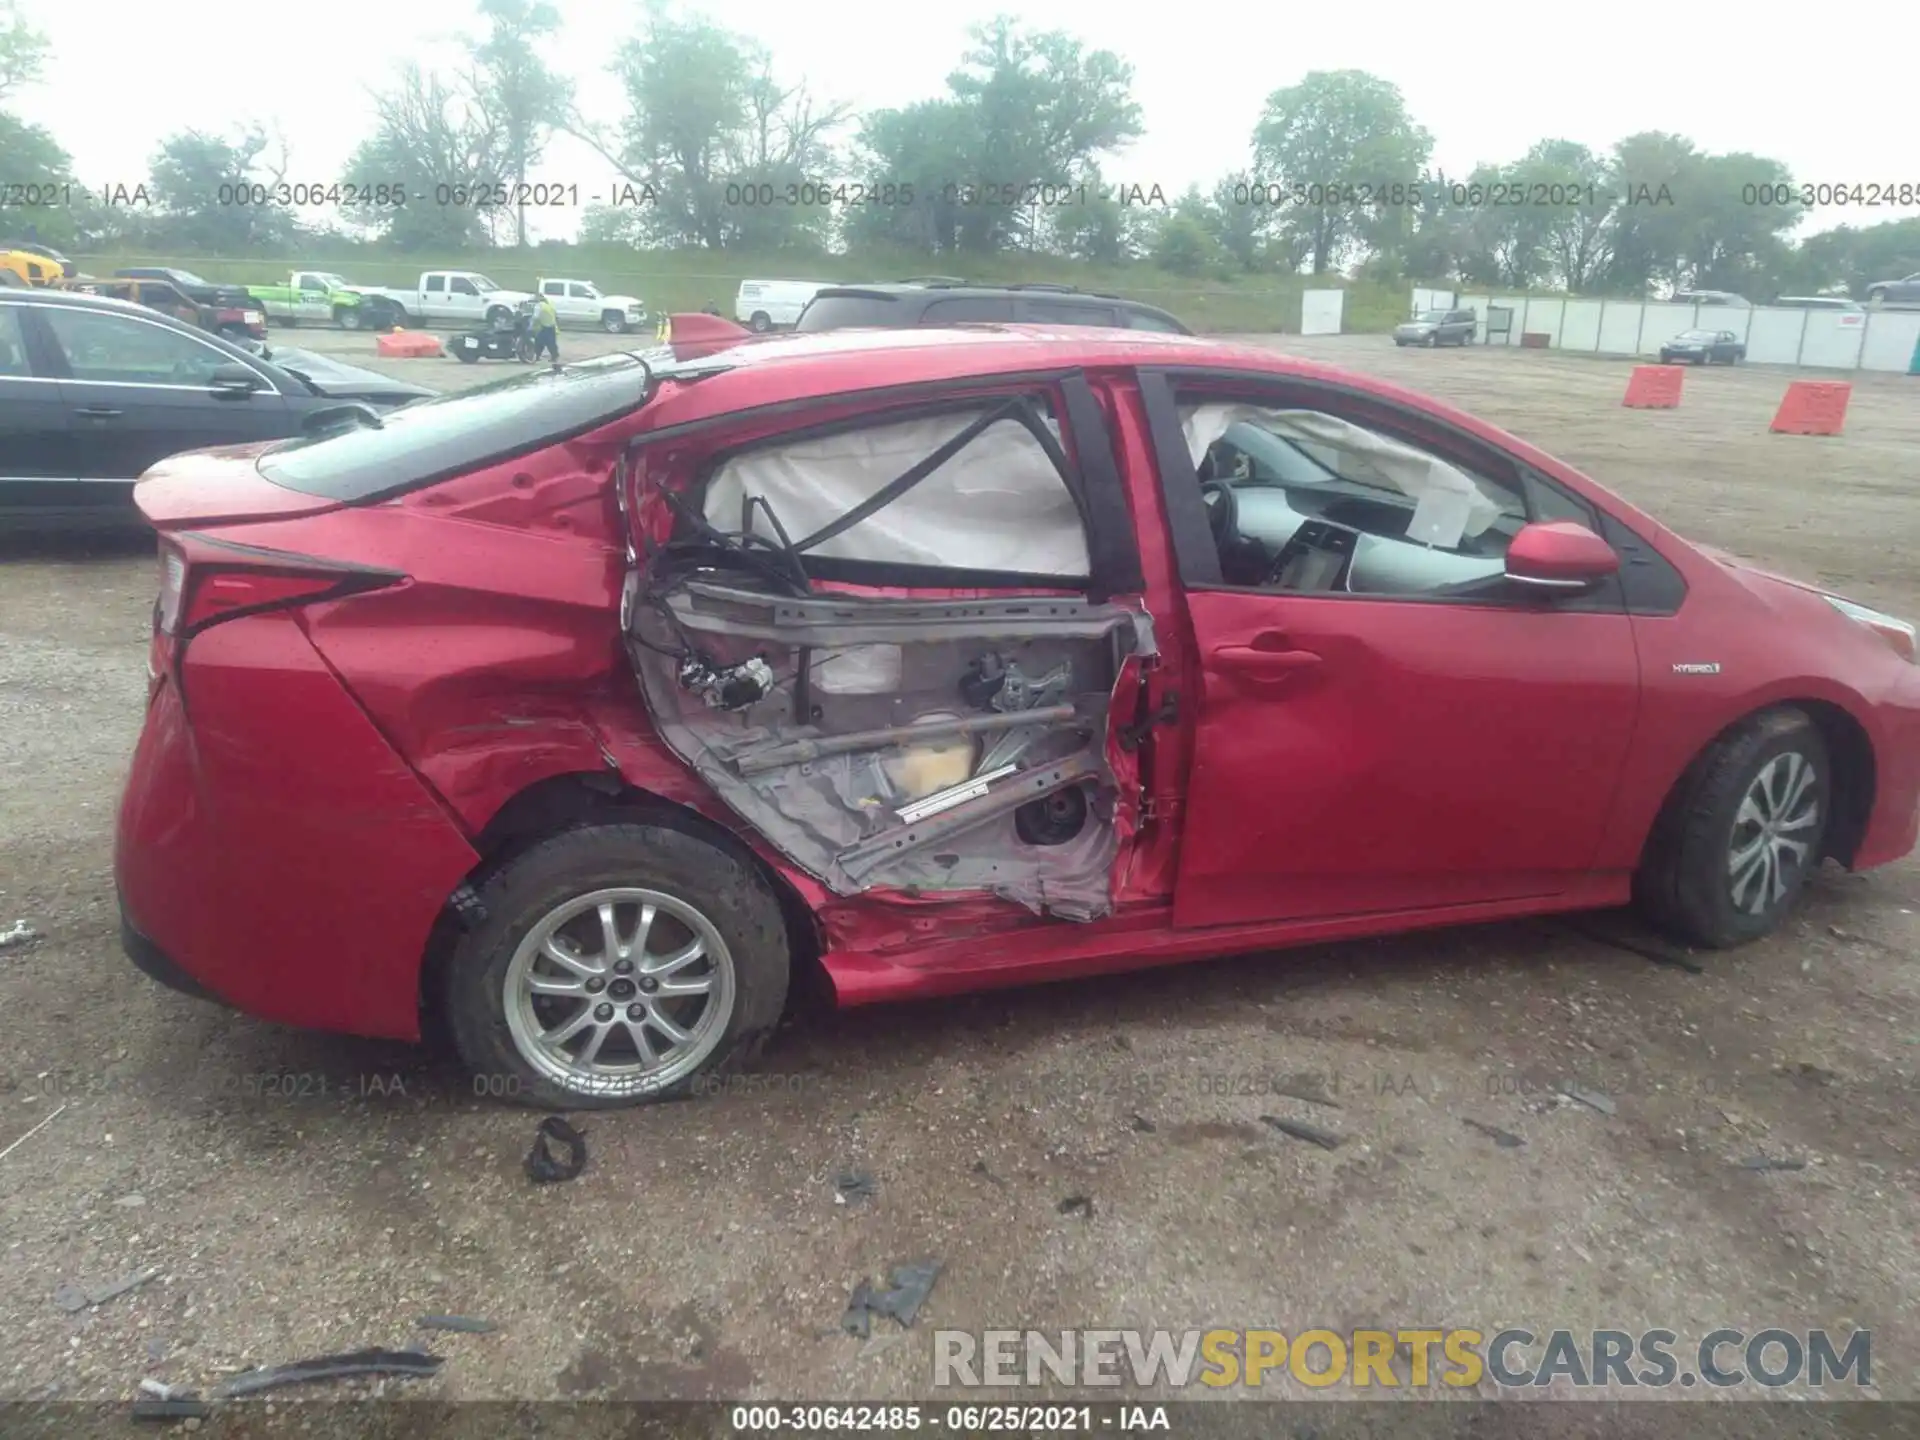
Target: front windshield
[(482, 283), (1433, 317), (338, 282), (1696, 335), (185, 277)]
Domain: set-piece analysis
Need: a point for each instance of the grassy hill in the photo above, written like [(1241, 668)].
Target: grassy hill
[(674, 280)]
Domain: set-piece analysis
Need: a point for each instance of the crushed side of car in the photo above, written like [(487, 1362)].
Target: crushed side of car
[(879, 741)]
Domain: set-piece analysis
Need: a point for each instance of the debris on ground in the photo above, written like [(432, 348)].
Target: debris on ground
[(1592, 1099), (1081, 1205), (160, 1390), (1766, 1162), (1141, 1123), (1308, 1088), (75, 1298), (410, 1364), (179, 1407), (853, 1187), (980, 1169), (1312, 1134), (909, 1285), (465, 1324), (31, 1133), (543, 1168), (19, 933), (1505, 1139)]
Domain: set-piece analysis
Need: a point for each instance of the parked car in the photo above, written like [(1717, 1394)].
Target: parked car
[(579, 302), (1722, 299), (1820, 302), (464, 297), (1895, 292), (773, 304), (939, 301), (1437, 327), (32, 266), (94, 390), (318, 297), (1246, 652), (233, 317), (1704, 347)]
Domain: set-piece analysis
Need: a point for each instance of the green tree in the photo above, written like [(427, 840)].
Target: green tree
[(1097, 228), (919, 149), (1730, 241), (520, 92), (200, 200), (432, 140), (23, 50), (1338, 135), (1577, 209), (1649, 234)]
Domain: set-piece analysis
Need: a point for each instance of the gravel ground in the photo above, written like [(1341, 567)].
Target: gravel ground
[(301, 1194)]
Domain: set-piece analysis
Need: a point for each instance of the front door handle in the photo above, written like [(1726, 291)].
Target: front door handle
[(98, 412), (1252, 660)]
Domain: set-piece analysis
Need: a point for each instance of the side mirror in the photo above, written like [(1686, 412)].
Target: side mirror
[(233, 382), (1559, 555)]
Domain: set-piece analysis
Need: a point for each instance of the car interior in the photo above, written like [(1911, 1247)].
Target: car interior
[(1305, 501)]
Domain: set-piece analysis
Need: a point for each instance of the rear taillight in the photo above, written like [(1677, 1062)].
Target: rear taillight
[(205, 582)]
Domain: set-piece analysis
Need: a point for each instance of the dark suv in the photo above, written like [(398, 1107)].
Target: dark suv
[(940, 301)]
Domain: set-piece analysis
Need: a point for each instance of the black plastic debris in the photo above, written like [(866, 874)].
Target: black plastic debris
[(1592, 1099), (1142, 1124), (853, 1187), (1768, 1162), (543, 1168), (980, 1169), (75, 1298), (465, 1324), (179, 1407), (909, 1285), (1505, 1139), (409, 1364), (1081, 1205), (1312, 1134)]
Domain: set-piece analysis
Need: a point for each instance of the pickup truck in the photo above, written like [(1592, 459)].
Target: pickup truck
[(463, 297), (579, 302), (318, 297)]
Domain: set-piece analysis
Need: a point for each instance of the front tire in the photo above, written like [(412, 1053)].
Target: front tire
[(614, 323), (1745, 827), (616, 964), (761, 322)]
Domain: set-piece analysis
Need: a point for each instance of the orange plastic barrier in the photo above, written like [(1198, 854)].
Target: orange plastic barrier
[(408, 345), (1813, 407), (1654, 387)]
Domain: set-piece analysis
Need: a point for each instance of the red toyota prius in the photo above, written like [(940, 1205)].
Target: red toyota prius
[(580, 710)]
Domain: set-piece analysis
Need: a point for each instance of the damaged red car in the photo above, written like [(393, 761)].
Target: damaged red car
[(579, 712)]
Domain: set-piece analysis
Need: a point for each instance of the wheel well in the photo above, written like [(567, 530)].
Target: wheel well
[(564, 802), (1854, 775)]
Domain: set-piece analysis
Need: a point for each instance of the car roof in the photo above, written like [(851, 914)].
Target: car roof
[(83, 301), (940, 288), (793, 368)]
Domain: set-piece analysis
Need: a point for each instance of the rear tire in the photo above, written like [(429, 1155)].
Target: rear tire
[(694, 889), (1743, 829), (761, 322)]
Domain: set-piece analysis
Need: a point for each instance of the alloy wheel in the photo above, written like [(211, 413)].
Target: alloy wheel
[(1771, 845), (619, 992)]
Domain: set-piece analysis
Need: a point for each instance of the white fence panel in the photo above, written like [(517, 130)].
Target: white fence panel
[(1580, 325), (1833, 340), (1663, 322), (1545, 317), (1620, 328), (1320, 311), (1891, 338), (1774, 336), (1737, 318), (1517, 304), (1432, 300)]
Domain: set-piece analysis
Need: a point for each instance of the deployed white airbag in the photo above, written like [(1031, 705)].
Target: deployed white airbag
[(1448, 504), (998, 504)]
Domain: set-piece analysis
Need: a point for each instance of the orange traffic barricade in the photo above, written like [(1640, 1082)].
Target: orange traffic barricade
[(1813, 407), (408, 345), (1654, 387)]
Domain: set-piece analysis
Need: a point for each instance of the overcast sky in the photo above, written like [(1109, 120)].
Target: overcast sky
[(1486, 77)]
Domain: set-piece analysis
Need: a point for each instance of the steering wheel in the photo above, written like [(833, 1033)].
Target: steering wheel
[(1223, 512)]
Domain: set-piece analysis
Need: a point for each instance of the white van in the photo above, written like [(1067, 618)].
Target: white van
[(769, 304)]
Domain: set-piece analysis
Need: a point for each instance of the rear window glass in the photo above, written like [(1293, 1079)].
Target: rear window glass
[(431, 440), (1150, 320), (840, 312)]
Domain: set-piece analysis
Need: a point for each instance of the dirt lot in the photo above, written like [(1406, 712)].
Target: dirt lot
[(703, 1252)]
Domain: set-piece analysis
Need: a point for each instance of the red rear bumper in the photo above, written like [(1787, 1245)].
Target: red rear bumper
[(272, 849)]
